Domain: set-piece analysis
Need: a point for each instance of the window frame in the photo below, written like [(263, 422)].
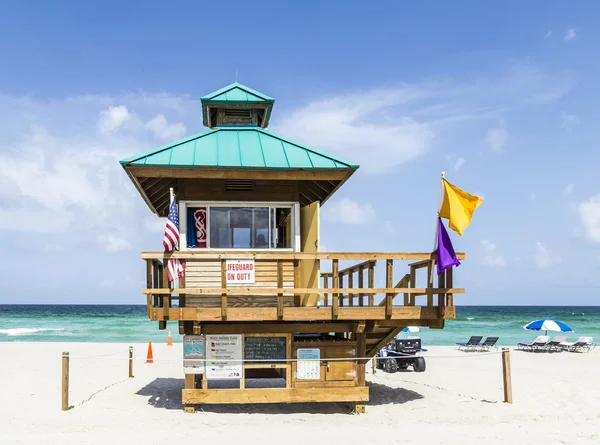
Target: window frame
[(185, 204)]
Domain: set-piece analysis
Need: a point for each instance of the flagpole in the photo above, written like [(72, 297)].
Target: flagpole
[(171, 195), (440, 202)]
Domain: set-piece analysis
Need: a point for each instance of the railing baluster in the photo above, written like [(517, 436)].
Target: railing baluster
[(371, 283), (350, 285), (334, 280), (413, 283), (429, 284), (389, 280), (449, 284), (341, 286), (361, 296), (279, 285), (297, 302), (441, 295), (223, 286), (325, 295)]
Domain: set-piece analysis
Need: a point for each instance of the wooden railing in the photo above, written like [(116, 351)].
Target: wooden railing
[(353, 284)]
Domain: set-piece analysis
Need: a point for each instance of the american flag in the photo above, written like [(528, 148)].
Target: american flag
[(171, 242)]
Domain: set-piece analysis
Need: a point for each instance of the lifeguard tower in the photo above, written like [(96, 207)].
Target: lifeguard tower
[(261, 307)]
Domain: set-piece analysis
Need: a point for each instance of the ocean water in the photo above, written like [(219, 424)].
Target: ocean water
[(129, 324)]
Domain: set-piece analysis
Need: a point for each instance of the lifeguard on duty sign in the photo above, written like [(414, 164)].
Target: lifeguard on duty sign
[(239, 271)]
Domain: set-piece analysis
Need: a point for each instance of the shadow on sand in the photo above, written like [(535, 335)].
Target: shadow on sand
[(166, 393)]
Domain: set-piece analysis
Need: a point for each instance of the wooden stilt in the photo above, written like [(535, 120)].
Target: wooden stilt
[(130, 361), (506, 375), (65, 381)]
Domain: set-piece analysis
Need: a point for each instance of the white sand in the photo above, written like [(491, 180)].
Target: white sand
[(456, 401)]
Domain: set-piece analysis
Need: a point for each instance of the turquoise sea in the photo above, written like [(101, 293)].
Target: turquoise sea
[(129, 323)]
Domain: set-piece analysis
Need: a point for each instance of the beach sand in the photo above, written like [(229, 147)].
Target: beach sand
[(458, 400)]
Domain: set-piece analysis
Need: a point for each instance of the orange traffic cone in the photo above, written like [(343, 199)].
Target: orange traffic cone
[(149, 359), (169, 339)]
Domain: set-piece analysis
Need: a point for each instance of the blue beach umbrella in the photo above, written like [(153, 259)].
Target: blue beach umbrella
[(410, 329), (547, 324)]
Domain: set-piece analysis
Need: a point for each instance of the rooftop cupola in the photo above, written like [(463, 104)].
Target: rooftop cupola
[(236, 105)]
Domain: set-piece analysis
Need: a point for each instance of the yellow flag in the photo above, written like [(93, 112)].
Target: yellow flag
[(458, 207)]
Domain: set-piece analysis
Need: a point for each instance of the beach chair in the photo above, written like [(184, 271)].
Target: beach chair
[(582, 343), (471, 344), (488, 344), (555, 343), (538, 344)]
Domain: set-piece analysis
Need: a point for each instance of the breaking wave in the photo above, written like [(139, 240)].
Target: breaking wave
[(27, 331)]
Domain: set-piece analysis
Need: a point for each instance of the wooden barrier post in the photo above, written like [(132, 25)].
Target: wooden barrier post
[(130, 361), (65, 381), (506, 375)]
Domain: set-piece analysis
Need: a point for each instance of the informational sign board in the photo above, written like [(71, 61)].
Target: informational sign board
[(223, 357), (265, 349), (309, 364), (193, 354), (239, 271)]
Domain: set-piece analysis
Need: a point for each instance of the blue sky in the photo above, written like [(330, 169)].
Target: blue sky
[(503, 97)]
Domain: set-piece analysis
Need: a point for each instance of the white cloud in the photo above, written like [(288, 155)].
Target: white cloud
[(568, 189), (162, 130), (389, 227), (107, 283), (456, 162), (570, 34), (589, 215), (64, 175), (491, 259), (112, 118), (113, 244), (356, 127), (543, 258), (348, 211), (548, 35), (569, 121), (533, 196), (496, 137)]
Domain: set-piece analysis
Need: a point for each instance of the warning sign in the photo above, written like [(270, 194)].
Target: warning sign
[(239, 271)]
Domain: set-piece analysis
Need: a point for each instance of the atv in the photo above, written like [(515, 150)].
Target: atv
[(400, 354)]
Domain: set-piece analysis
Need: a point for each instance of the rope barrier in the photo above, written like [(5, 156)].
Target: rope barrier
[(400, 356)]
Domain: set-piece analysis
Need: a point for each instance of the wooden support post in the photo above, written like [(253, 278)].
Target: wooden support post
[(325, 295), (182, 296), (373, 368), (334, 297), (149, 274), (279, 296), (506, 375), (371, 283), (340, 285), (361, 274), (223, 286), (350, 286), (130, 361), (190, 383), (389, 278), (65, 381)]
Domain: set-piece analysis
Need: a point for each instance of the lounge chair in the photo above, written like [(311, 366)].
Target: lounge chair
[(555, 343), (489, 343), (471, 344), (539, 343), (583, 343)]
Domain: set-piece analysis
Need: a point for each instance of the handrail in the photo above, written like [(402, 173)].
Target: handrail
[(274, 255), (303, 290), (354, 268)]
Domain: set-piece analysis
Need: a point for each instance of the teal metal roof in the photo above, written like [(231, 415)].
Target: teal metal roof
[(237, 93), (237, 147)]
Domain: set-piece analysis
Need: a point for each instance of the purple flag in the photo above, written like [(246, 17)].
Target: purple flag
[(446, 257)]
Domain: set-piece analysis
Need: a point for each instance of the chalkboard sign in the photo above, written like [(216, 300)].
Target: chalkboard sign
[(265, 349)]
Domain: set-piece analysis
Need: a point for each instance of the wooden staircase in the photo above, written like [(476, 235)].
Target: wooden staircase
[(378, 332)]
